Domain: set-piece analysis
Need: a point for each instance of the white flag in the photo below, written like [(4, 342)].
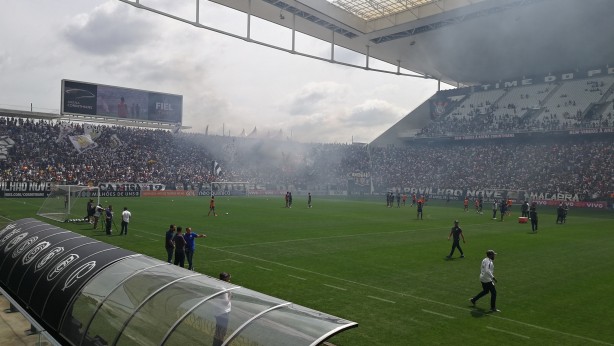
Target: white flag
[(65, 129), (91, 130), (82, 142), (115, 142)]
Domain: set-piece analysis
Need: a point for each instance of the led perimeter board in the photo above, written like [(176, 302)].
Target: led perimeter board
[(81, 98)]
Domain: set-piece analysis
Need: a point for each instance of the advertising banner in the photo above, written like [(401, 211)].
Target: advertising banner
[(81, 98), (168, 193), (21, 189)]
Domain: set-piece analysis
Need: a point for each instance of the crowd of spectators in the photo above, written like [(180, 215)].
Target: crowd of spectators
[(527, 112), (184, 161)]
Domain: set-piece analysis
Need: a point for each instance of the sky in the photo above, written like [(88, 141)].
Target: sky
[(227, 84)]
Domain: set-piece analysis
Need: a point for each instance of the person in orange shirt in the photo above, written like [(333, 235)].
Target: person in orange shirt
[(212, 206), (509, 207), (466, 204)]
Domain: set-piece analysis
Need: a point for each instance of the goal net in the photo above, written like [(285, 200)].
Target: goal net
[(68, 202), (227, 188)]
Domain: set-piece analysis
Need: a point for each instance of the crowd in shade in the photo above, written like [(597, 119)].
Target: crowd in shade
[(505, 123), (184, 161)]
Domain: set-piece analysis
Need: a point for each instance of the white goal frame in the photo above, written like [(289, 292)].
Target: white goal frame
[(61, 203), (219, 188)]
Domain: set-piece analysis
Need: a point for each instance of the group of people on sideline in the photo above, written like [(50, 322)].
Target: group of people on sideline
[(181, 245)]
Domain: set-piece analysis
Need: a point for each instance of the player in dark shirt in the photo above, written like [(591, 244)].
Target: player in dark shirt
[(533, 216), (456, 233), (179, 248)]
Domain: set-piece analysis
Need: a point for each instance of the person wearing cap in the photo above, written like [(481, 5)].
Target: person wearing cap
[(488, 280), (223, 306), (457, 233)]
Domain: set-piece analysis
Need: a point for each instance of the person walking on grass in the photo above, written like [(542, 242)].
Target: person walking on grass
[(457, 233), (488, 280)]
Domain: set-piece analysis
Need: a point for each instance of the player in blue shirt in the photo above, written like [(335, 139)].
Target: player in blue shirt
[(190, 245)]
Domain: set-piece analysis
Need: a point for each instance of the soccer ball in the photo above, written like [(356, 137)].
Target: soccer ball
[(226, 213)]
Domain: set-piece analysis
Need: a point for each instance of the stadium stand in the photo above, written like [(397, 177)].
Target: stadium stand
[(582, 165)]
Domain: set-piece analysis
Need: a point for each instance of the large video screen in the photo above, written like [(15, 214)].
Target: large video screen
[(82, 98)]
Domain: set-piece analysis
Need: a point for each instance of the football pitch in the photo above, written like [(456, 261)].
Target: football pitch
[(386, 270)]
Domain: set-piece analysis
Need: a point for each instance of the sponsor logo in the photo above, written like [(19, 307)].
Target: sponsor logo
[(9, 235), (31, 255), (65, 262), (23, 246), (14, 242), (79, 273), (43, 261), (7, 228)]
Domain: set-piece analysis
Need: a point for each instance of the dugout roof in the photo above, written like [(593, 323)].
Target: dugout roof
[(86, 292), (460, 42)]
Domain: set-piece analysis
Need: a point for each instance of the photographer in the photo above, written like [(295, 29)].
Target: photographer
[(90, 210)]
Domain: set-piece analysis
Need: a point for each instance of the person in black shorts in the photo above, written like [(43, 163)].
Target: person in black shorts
[(456, 233)]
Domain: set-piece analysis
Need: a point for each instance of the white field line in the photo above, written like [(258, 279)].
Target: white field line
[(225, 260), (438, 314), (508, 332), (335, 287), (297, 277), (382, 299), (263, 268)]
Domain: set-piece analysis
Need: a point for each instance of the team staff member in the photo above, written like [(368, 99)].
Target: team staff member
[(190, 245), (420, 205), (223, 306), (108, 213), (169, 243), (488, 280), (533, 216), (179, 248), (457, 233), (126, 215)]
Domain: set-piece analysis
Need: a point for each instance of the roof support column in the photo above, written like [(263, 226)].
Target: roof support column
[(198, 11), (332, 46), (249, 21), (367, 58)]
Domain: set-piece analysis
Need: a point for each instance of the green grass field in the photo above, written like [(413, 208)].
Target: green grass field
[(384, 269)]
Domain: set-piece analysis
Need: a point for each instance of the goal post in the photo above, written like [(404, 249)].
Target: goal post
[(227, 188), (68, 202)]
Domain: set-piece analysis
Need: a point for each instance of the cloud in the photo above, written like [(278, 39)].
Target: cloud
[(315, 96), (374, 113), (109, 29)]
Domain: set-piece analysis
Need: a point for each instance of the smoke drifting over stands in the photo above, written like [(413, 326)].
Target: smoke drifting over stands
[(183, 160)]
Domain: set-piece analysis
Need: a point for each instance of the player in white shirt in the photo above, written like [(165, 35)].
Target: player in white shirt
[(126, 215), (488, 280)]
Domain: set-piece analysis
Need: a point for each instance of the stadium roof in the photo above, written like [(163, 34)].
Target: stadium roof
[(455, 41), (375, 9)]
